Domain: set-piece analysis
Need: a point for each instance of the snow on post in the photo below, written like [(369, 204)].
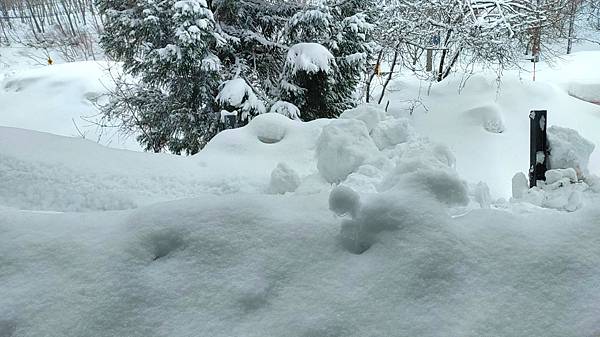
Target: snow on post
[(309, 57)]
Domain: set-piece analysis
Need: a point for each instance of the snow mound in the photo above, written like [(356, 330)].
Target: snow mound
[(488, 116), (588, 91), (344, 200), (561, 190), (393, 131), (271, 128), (371, 114), (343, 146), (283, 179), (569, 150), (309, 57)]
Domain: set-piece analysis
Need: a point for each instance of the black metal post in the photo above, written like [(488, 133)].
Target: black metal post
[(538, 153)]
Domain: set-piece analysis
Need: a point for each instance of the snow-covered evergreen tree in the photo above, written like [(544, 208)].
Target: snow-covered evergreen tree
[(345, 32), (171, 50)]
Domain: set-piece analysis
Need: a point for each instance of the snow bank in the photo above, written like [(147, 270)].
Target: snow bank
[(588, 91), (232, 260), (309, 57)]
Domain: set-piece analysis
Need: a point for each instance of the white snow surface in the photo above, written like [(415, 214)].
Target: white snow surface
[(487, 126), (61, 99), (359, 226)]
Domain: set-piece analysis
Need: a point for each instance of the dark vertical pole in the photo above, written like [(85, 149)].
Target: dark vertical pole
[(429, 64), (538, 153)]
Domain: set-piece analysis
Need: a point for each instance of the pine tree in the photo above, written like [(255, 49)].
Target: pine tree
[(170, 48), (345, 32)]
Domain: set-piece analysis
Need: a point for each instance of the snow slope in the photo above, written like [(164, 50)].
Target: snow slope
[(60, 99)]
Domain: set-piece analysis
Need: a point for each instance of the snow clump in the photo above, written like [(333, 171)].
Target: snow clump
[(343, 146), (283, 179), (309, 57)]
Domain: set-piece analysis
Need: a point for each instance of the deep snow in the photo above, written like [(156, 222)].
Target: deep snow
[(354, 227)]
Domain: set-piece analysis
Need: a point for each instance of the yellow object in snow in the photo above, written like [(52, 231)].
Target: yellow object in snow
[(378, 69), (50, 61)]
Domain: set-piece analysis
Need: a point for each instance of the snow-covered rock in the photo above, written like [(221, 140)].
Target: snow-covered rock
[(343, 146)]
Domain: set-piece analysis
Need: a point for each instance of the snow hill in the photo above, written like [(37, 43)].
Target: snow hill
[(359, 226)]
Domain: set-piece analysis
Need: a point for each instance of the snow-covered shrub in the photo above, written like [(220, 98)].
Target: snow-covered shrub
[(308, 81), (569, 150), (343, 146), (344, 31)]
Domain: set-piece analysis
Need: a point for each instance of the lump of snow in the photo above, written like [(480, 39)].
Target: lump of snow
[(393, 131), (309, 57), (344, 200), (283, 179), (269, 128), (552, 176), (233, 92), (569, 150), (488, 116), (237, 93), (287, 109), (343, 146), (369, 113), (520, 185), (481, 193), (426, 167)]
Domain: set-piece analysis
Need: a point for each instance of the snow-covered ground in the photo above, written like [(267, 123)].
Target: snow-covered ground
[(359, 226)]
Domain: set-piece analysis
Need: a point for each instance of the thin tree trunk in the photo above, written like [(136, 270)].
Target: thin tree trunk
[(389, 78), (368, 94)]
